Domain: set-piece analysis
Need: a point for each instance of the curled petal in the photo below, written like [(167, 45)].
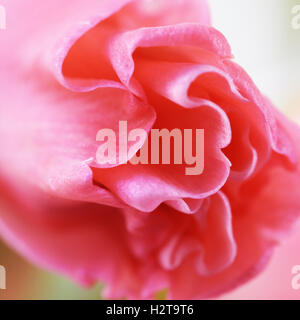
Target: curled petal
[(190, 35), (146, 186)]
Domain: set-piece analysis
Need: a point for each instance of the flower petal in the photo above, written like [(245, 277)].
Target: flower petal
[(52, 140), (189, 35), (146, 186)]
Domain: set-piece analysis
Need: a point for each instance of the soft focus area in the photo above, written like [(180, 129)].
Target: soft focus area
[(265, 44)]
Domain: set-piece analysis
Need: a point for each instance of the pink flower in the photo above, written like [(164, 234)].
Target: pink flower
[(70, 68)]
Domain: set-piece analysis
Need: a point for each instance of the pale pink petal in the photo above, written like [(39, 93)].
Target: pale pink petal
[(165, 12), (52, 142), (83, 241)]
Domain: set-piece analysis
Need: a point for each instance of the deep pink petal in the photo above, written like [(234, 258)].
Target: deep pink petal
[(189, 35), (146, 186)]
